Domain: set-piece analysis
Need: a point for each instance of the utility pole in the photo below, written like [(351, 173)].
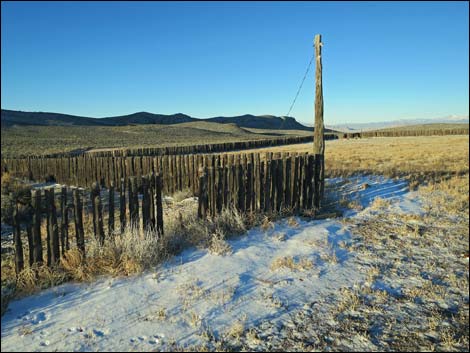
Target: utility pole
[(318, 138)]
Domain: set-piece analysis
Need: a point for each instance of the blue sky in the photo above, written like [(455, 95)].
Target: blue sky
[(381, 61)]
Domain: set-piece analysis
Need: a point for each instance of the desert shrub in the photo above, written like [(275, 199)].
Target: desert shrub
[(13, 190), (231, 222), (182, 194), (289, 262), (123, 254), (218, 245)]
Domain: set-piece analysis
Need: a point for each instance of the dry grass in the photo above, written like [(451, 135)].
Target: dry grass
[(190, 292), (391, 156), (393, 242), (124, 254), (266, 224), (181, 195), (329, 256), (380, 203), (414, 295), (237, 328), (12, 189), (218, 245), (292, 222), (302, 264), (131, 252), (31, 140), (424, 256), (278, 237)]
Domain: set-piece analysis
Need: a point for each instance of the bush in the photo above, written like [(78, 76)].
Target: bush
[(12, 190)]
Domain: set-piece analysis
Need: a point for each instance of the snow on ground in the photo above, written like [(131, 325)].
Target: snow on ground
[(199, 292)]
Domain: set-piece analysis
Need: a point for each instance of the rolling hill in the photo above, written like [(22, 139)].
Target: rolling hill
[(12, 117)]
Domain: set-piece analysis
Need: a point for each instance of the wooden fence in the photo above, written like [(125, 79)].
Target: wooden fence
[(256, 185), (178, 172), (191, 149), (66, 209), (245, 182), (403, 133), (203, 148)]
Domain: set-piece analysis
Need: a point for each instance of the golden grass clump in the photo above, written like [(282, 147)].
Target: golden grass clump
[(266, 224), (179, 196), (450, 195), (218, 245), (237, 328), (126, 253), (292, 222), (302, 264), (380, 203), (73, 263), (38, 277)]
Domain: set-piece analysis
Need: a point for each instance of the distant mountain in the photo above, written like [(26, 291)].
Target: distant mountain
[(451, 119), (148, 118), (12, 117)]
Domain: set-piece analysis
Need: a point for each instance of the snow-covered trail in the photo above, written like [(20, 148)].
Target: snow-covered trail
[(199, 292)]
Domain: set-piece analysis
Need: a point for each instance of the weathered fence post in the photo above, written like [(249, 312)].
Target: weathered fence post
[(257, 182), (310, 180), (29, 234), (219, 188), (202, 198), (273, 173), (64, 221), (111, 208), (248, 186), (36, 224), (135, 203), (261, 185), (296, 183), (318, 142), (130, 200), (151, 192), (19, 259), (211, 187), (97, 213), (122, 205), (287, 182), (53, 231), (159, 206), (145, 203), (78, 220), (241, 188), (229, 186), (280, 184)]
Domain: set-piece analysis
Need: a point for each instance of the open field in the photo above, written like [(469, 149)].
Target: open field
[(24, 140), (390, 274), (34, 140), (425, 127), (390, 156)]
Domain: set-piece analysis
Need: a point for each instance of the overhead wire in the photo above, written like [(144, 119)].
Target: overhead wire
[(301, 84)]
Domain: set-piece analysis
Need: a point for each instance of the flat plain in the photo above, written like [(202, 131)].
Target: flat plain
[(390, 274)]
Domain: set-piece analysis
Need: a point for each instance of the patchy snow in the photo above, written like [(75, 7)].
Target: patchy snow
[(198, 291)]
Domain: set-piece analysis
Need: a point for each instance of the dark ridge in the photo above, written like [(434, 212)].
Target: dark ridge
[(12, 117), (149, 118)]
